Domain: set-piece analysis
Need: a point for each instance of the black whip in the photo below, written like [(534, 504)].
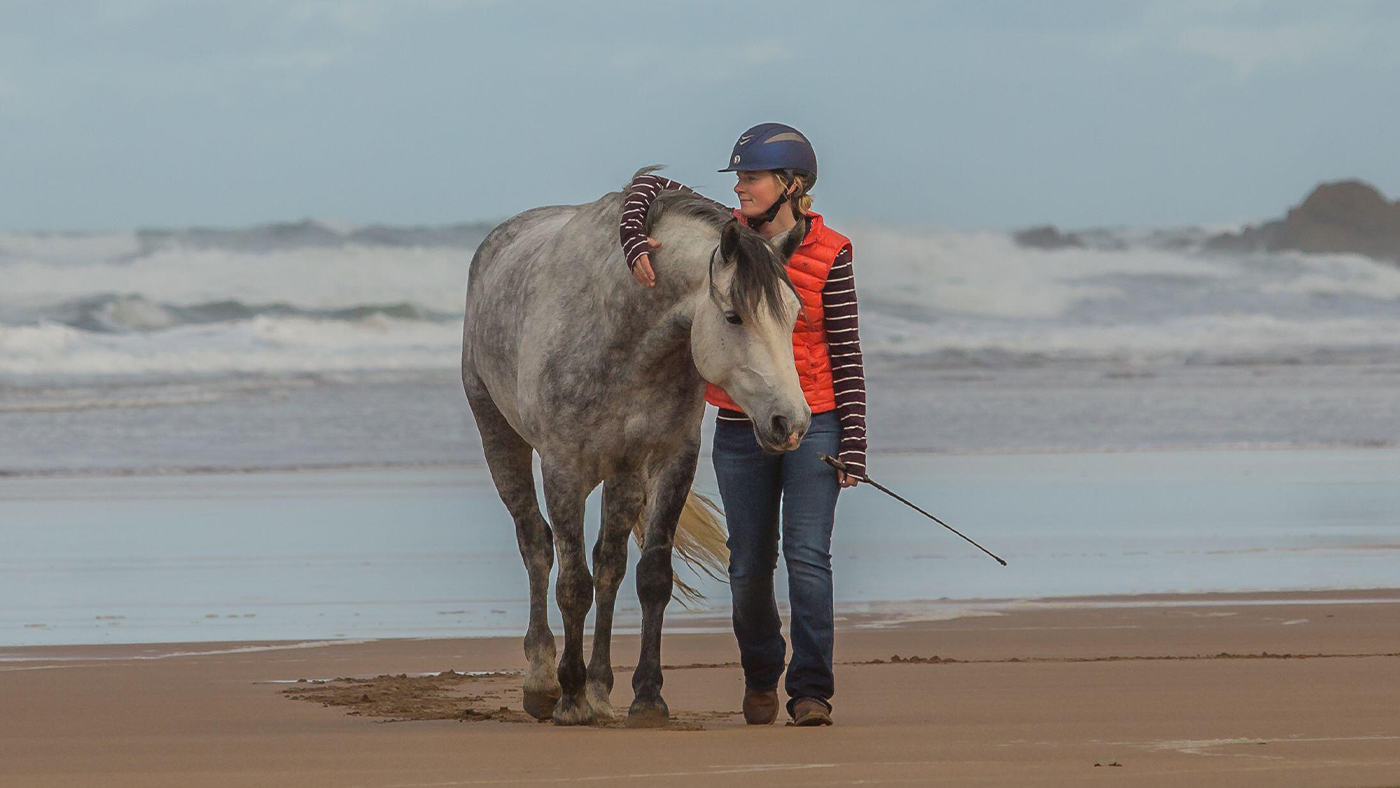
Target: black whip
[(841, 466)]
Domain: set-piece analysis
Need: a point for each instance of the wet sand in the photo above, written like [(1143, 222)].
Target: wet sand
[(1293, 689)]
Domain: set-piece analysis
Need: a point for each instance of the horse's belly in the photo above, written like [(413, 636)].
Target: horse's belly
[(605, 429)]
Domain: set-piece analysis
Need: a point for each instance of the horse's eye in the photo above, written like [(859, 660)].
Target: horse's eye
[(733, 318)]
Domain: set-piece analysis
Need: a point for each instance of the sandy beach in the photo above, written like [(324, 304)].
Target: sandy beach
[(1285, 689)]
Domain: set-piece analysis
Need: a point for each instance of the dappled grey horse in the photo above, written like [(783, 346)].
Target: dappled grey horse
[(564, 354)]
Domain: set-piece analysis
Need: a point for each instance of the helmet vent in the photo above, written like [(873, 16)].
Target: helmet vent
[(785, 137)]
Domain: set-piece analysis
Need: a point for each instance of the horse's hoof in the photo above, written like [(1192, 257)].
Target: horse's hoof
[(540, 704), (572, 711), (648, 714), (600, 702)]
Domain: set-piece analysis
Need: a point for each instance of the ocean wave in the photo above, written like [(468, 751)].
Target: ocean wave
[(988, 275), (263, 344), (1207, 339), (113, 313), (308, 279), (291, 345), (125, 246), (316, 297)]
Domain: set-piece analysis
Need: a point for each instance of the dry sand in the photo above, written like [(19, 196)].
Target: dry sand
[(1240, 690)]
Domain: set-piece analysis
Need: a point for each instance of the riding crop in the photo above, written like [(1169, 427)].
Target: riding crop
[(841, 466)]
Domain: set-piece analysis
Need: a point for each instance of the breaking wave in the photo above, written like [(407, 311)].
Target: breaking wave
[(322, 297)]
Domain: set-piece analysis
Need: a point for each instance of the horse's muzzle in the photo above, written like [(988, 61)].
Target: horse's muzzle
[(781, 435)]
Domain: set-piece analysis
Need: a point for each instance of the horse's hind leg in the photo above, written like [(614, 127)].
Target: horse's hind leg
[(564, 494), (508, 457), (670, 488), (624, 496)]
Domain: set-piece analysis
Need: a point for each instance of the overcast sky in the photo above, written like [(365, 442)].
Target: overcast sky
[(965, 114)]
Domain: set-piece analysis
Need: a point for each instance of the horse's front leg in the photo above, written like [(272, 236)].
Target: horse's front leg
[(508, 457), (624, 496), (670, 487), (564, 494)]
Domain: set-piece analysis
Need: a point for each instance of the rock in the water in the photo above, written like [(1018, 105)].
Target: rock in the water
[(1346, 216), (1048, 237)]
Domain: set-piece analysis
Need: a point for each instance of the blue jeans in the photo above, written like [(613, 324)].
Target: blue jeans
[(752, 484)]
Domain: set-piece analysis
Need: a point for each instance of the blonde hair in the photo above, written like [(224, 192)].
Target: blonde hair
[(801, 200)]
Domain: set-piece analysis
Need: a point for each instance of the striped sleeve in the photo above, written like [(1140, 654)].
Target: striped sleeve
[(637, 200), (842, 321)]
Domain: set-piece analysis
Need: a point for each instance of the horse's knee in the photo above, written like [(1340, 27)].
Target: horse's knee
[(575, 591), (654, 577), (607, 578), (609, 566), (536, 541)]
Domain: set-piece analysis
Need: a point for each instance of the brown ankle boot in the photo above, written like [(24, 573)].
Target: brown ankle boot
[(810, 712), (760, 706)]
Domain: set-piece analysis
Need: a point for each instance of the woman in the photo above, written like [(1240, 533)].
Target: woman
[(776, 169)]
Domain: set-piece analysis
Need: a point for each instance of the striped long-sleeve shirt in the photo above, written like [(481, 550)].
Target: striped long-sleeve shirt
[(839, 309)]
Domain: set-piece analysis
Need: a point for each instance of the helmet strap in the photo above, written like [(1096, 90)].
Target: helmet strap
[(772, 212)]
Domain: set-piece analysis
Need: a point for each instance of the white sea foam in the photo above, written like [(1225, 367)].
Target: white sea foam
[(987, 274), (212, 302), (67, 247), (310, 278), (1198, 337), (1339, 275), (260, 345)]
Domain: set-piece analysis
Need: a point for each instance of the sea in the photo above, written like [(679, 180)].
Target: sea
[(259, 433)]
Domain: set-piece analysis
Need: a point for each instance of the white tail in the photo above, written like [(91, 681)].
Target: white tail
[(701, 541)]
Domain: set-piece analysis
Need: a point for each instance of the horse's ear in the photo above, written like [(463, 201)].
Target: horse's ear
[(729, 239), (793, 239)]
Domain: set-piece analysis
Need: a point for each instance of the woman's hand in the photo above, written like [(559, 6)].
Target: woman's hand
[(846, 479), (641, 270)]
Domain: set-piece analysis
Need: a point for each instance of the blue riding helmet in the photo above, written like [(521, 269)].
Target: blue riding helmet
[(774, 146)]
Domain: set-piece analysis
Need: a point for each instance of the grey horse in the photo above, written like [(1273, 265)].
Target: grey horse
[(563, 354)]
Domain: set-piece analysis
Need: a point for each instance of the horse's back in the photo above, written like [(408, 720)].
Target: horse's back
[(515, 238), (528, 244), (525, 286)]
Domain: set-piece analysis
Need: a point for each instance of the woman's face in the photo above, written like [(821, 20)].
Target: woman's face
[(757, 192)]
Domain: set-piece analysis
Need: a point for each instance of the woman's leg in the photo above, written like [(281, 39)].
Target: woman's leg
[(810, 488), (750, 487)]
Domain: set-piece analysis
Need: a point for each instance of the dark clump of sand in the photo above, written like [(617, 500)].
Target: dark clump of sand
[(401, 698), (449, 695)]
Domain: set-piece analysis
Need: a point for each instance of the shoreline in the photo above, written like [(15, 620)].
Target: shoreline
[(158, 472), (879, 615)]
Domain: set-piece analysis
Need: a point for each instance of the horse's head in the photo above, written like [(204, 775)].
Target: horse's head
[(741, 336)]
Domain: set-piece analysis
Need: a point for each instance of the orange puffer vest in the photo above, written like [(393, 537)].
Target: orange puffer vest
[(808, 270)]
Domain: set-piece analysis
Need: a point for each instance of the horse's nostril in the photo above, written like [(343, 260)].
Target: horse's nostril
[(780, 426)]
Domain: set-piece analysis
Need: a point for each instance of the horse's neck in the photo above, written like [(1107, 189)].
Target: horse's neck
[(655, 321)]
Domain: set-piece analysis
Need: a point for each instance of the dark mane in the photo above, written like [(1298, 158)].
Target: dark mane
[(678, 202), (682, 201), (760, 273)]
